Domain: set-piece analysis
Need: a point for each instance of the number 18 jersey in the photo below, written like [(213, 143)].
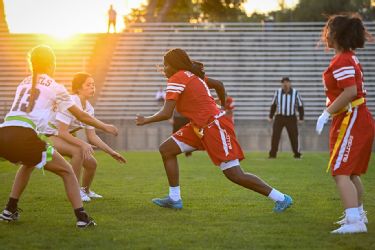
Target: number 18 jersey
[(49, 97)]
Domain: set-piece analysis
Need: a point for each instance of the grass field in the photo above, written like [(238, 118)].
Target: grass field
[(216, 215)]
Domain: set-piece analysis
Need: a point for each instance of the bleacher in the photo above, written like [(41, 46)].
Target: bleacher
[(249, 58), (72, 55)]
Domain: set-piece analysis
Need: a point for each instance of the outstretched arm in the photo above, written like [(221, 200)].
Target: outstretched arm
[(95, 140), (164, 114), (219, 88)]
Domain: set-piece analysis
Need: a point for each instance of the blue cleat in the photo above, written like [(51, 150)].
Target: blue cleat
[(281, 206), (167, 202)]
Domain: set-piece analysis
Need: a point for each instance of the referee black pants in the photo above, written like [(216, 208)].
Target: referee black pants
[(290, 122)]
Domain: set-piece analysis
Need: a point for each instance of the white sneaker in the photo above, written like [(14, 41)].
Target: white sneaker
[(357, 227), (84, 196), (94, 195), (344, 221)]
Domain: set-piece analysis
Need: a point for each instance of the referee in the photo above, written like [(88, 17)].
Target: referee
[(285, 103)]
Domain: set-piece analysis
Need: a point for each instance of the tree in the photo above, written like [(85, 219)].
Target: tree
[(3, 22)]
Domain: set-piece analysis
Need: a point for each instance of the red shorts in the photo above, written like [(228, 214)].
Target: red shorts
[(353, 155), (219, 140)]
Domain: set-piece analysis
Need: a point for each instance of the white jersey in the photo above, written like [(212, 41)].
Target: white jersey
[(49, 97), (67, 118)]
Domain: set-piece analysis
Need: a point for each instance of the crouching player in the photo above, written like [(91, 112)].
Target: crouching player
[(62, 127)]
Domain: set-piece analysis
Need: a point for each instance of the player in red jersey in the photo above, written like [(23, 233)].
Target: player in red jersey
[(209, 129), (352, 130)]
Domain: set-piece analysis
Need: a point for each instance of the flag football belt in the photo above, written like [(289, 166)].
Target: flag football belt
[(49, 149), (344, 126), (199, 131)]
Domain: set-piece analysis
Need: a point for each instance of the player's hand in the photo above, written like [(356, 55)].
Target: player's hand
[(118, 157), (87, 150), (322, 120), (270, 119), (111, 129), (140, 120)]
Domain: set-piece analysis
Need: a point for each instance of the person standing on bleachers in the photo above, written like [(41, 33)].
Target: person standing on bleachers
[(112, 16), (285, 103)]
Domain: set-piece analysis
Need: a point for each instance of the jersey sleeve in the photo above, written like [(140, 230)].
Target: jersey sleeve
[(63, 99), (344, 72), (175, 87)]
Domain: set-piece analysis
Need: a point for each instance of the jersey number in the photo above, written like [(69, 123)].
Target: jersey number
[(24, 106)]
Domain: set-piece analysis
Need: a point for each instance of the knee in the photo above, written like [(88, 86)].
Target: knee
[(165, 152), (91, 164), (234, 175)]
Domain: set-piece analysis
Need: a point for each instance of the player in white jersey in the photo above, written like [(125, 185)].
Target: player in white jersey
[(21, 143), (61, 133)]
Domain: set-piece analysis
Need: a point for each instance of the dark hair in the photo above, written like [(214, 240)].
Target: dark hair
[(345, 32), (78, 80), (40, 58), (179, 60), (285, 78)]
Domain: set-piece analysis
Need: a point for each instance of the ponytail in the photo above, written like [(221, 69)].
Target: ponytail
[(32, 91), (179, 60)]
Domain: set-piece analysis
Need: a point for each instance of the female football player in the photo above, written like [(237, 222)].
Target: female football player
[(21, 143), (352, 128), (209, 129), (64, 125)]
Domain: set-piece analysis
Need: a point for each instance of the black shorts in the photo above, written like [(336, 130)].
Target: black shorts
[(21, 145)]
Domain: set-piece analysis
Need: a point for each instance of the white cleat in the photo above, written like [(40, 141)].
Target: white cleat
[(94, 195), (344, 220), (84, 196), (357, 227)]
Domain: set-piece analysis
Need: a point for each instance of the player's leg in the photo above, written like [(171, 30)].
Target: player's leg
[(62, 168), (76, 156), (253, 182), (360, 191), (169, 151), (89, 170), (292, 129), (276, 134), (19, 184)]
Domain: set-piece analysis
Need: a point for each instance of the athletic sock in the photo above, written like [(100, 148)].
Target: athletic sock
[(12, 205), (81, 214), (360, 209), (352, 215), (175, 193), (275, 195)]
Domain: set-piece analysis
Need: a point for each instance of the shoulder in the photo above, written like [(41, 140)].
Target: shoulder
[(346, 59), (181, 77)]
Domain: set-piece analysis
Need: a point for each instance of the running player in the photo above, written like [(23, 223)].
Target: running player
[(61, 132), (352, 129), (208, 130), (20, 142)]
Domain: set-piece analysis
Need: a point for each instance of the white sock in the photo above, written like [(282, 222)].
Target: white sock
[(352, 215), (360, 209), (175, 193), (275, 195)]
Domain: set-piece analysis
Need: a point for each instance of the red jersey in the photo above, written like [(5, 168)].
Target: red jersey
[(344, 71), (194, 100)]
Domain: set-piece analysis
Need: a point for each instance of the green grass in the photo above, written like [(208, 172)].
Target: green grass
[(217, 214)]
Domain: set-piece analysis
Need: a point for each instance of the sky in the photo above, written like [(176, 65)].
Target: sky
[(66, 17)]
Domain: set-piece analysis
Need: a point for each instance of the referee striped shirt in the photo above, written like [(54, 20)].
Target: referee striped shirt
[(286, 104)]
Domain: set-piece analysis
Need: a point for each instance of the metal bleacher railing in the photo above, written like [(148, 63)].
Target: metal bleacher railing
[(250, 58)]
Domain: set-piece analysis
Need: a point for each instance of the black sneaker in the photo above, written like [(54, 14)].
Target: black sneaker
[(9, 216), (298, 157), (86, 224)]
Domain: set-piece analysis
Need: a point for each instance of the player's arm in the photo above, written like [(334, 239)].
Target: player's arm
[(164, 114), (95, 140), (219, 88), (343, 99), (63, 133), (92, 121)]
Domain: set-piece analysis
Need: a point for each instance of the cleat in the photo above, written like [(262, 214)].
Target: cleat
[(357, 227), (84, 196), (9, 216), (281, 206), (167, 202), (86, 224), (94, 195), (343, 219)]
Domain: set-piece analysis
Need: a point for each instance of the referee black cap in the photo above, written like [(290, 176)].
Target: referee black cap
[(285, 78)]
